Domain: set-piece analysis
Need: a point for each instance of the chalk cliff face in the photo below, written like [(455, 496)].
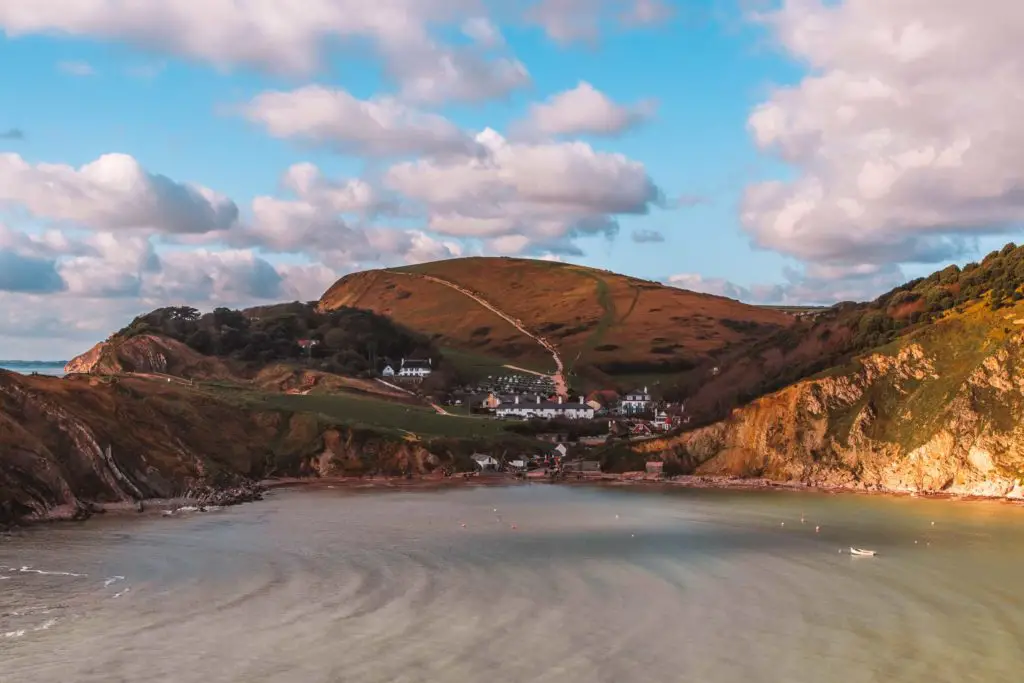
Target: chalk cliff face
[(940, 411), (163, 440)]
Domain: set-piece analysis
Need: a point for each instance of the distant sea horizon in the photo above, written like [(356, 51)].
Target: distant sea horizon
[(42, 367)]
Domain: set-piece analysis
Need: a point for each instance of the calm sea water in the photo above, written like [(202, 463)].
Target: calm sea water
[(27, 367), (591, 585)]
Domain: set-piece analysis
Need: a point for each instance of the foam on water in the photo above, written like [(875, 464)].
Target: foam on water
[(592, 585)]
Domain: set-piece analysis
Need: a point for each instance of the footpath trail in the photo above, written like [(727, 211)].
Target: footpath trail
[(561, 388), (438, 409)]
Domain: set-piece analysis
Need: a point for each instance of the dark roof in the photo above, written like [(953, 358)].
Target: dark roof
[(639, 392), (415, 363)]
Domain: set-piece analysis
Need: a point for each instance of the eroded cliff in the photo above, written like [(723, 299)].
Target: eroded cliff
[(937, 411), (164, 439)]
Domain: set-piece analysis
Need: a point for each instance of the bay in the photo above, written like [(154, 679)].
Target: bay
[(524, 583)]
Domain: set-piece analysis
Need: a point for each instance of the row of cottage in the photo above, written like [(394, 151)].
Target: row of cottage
[(637, 402)]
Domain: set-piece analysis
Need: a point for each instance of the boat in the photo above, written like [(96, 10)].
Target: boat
[(861, 551)]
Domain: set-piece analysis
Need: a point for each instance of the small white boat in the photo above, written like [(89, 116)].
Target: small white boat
[(862, 552)]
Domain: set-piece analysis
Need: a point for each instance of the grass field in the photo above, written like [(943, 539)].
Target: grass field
[(361, 409)]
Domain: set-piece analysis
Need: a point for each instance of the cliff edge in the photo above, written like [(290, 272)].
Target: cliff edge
[(939, 411)]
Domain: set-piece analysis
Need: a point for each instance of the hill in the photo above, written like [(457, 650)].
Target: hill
[(610, 330)]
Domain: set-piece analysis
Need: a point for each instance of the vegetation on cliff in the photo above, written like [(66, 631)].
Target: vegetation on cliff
[(939, 408), (348, 341)]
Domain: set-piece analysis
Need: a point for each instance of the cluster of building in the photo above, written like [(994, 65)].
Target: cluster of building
[(526, 397)]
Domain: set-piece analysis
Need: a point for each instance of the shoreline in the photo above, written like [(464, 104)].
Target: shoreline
[(169, 507), (698, 482)]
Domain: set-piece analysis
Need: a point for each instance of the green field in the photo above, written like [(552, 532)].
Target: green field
[(359, 409)]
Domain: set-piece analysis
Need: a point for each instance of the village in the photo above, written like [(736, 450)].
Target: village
[(635, 414)]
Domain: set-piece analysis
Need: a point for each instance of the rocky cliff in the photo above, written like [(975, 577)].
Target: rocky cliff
[(938, 411), (147, 353), (74, 441)]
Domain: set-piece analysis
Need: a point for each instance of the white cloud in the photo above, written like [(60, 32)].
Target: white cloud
[(272, 36), (905, 135), (709, 285), (483, 31), (541, 194), (75, 68), (380, 127), (813, 285), (569, 20), (584, 110), (431, 74), (112, 193)]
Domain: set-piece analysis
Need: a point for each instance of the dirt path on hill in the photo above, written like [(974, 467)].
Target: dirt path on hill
[(561, 388)]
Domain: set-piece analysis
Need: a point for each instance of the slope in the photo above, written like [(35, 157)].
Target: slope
[(608, 328), (939, 409)]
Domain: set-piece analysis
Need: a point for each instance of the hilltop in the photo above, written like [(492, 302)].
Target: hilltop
[(609, 329)]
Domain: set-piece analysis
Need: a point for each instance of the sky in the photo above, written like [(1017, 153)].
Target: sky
[(235, 152)]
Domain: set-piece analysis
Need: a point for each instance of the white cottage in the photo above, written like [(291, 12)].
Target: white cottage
[(415, 368), (388, 371), (546, 410), (636, 402)]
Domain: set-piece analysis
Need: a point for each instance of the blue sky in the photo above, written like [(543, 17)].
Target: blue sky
[(692, 168)]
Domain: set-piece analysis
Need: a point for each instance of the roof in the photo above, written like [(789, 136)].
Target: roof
[(638, 392), (544, 405), (415, 363)]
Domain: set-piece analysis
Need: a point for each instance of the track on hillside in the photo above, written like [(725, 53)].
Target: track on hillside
[(561, 388)]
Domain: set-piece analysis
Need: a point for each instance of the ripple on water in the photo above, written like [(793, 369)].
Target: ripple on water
[(591, 586)]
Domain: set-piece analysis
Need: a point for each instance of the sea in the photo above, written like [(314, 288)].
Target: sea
[(533, 582), (27, 367)]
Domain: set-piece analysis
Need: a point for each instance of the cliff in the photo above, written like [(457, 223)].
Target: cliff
[(940, 410), (164, 439), (147, 354)]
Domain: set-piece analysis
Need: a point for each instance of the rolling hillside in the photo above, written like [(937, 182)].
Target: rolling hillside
[(608, 329)]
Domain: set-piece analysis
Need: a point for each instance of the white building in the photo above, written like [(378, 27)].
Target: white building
[(545, 410), (485, 463), (388, 371), (415, 368), (636, 402)]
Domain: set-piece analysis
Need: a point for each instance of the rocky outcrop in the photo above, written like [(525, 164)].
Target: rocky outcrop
[(944, 419), (147, 354)]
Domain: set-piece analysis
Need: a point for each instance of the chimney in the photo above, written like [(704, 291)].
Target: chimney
[(538, 399), (517, 400), (403, 362), (559, 400), (581, 400), (645, 389)]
